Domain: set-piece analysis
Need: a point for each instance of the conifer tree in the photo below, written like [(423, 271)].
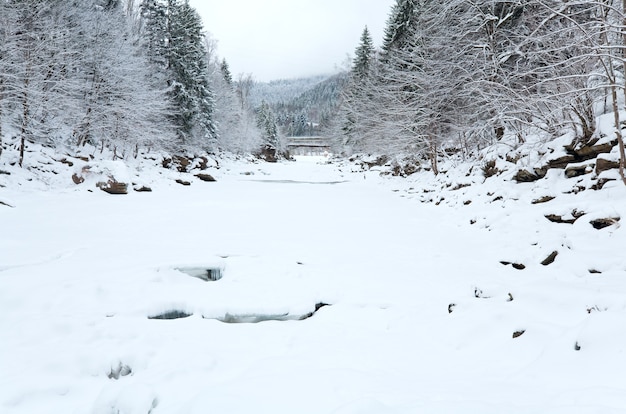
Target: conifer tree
[(266, 122), (400, 24), (175, 40), (225, 69), (364, 55)]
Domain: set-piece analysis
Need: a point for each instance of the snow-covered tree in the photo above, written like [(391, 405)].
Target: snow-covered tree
[(121, 107), (175, 42), (236, 123), (364, 55), (225, 70), (266, 122), (400, 25)]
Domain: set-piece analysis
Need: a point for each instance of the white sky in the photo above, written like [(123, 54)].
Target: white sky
[(275, 39)]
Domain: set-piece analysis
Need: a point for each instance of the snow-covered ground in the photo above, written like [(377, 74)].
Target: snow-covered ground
[(422, 313)]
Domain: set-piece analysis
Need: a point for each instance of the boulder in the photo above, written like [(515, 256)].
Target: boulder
[(588, 152), (601, 182), (525, 176), (602, 223), (517, 334), (142, 189), (206, 177), (78, 179), (113, 187), (561, 162), (603, 164), (555, 218), (577, 170), (543, 199), (182, 163), (550, 259)]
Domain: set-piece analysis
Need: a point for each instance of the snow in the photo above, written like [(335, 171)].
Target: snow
[(422, 311)]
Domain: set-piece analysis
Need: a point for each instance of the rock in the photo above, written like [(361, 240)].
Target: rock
[(268, 154), (203, 163), (517, 334), (143, 189), (588, 152), (78, 179), (459, 186), (602, 223), (550, 259), (513, 158), (451, 307), (543, 199), (378, 162), (206, 177), (183, 182), (572, 171), (605, 165), (113, 187), (66, 162), (181, 163), (561, 162), (525, 176), (601, 182), (555, 218), (489, 169), (518, 266)]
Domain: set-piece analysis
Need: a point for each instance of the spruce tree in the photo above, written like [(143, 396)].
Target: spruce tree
[(225, 69), (175, 41), (190, 88), (364, 55), (266, 122), (401, 22)]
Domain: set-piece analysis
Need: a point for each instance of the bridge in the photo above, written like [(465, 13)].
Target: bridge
[(309, 145)]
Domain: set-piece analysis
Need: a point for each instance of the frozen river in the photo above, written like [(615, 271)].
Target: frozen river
[(289, 288)]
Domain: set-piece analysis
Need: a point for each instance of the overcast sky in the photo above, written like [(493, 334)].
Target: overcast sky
[(276, 39)]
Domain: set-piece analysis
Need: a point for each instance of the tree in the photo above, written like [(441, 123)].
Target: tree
[(34, 68), (266, 122), (400, 24), (358, 97), (225, 70), (176, 46), (364, 55), (190, 84), (236, 123), (121, 106)]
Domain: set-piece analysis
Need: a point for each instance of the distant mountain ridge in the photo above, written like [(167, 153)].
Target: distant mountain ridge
[(302, 106), (283, 90)]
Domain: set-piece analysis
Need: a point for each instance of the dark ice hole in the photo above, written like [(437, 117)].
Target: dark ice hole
[(173, 314), (210, 274)]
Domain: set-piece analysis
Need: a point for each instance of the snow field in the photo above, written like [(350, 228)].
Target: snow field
[(422, 312)]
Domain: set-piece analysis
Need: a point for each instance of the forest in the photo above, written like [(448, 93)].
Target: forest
[(453, 76)]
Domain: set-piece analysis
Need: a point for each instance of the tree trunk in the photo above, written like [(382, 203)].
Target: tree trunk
[(25, 117), (620, 138), (432, 154), (1, 132)]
